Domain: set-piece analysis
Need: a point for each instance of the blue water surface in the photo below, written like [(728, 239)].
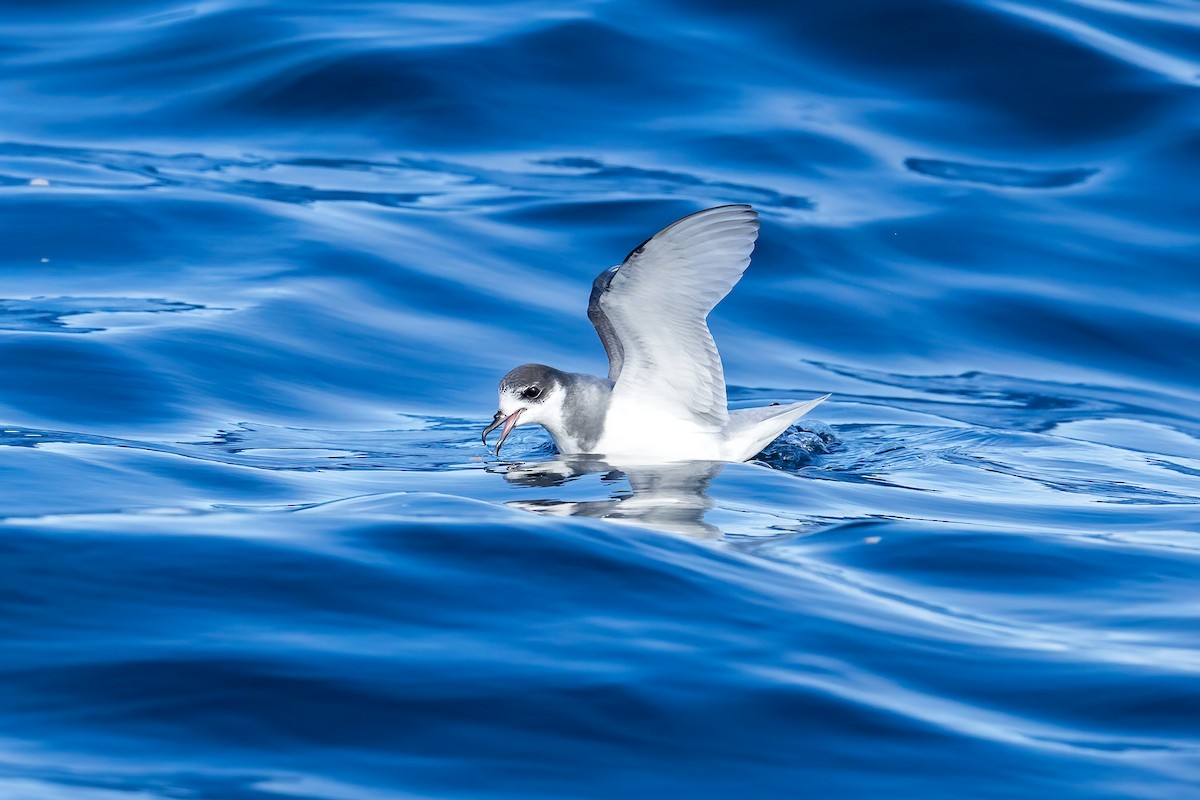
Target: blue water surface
[(263, 262)]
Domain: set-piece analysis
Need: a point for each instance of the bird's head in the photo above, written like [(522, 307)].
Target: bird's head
[(532, 394)]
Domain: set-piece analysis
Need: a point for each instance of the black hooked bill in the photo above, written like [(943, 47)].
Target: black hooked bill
[(508, 422)]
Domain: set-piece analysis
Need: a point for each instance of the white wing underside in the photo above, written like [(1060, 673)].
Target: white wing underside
[(651, 313)]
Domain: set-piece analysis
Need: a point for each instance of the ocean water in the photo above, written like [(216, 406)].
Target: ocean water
[(263, 263)]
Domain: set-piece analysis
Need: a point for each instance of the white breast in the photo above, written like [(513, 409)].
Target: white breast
[(649, 434)]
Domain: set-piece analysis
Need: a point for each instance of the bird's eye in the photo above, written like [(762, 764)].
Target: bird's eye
[(531, 392)]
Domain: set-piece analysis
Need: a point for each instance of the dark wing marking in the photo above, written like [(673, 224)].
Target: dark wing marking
[(608, 336)]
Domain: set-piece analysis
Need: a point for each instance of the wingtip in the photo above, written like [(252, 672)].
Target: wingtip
[(737, 208), (744, 213), (740, 208), (706, 222)]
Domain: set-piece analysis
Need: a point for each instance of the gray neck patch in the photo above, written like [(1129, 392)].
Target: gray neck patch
[(584, 410)]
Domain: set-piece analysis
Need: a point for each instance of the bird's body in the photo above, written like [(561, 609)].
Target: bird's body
[(664, 397), (633, 429)]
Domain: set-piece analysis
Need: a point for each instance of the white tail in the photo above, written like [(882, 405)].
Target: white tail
[(752, 429)]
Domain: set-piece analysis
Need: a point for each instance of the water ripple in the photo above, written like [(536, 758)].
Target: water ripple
[(253, 546), (1011, 177), (52, 314)]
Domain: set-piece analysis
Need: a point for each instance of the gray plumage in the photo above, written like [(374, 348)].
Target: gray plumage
[(604, 328)]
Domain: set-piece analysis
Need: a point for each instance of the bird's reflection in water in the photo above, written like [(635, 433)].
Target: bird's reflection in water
[(668, 497)]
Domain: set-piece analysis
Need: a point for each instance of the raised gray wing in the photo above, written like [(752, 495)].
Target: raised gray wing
[(651, 312), (608, 337)]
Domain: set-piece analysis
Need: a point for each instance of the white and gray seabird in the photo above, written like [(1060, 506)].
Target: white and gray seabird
[(664, 397)]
